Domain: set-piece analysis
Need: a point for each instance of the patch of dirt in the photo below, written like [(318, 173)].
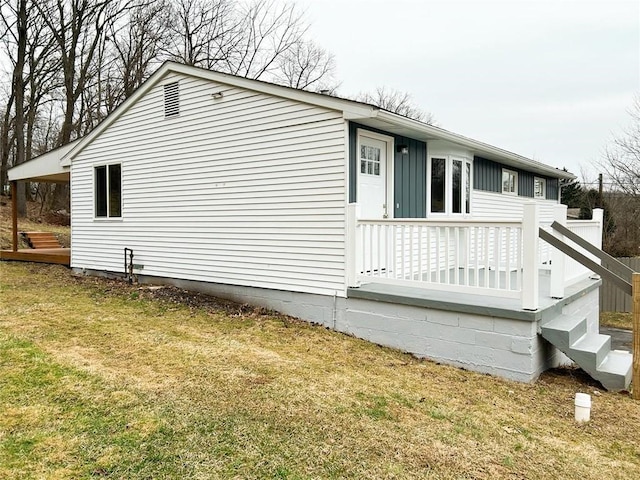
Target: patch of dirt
[(195, 300)]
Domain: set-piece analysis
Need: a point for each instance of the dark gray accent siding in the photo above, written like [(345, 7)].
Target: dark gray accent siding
[(487, 176), (353, 163), (525, 183), (410, 172), (552, 189)]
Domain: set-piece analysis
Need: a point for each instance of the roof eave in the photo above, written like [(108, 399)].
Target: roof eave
[(481, 148)]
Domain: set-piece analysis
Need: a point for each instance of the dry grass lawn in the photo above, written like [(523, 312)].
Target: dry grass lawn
[(617, 320), (99, 379)]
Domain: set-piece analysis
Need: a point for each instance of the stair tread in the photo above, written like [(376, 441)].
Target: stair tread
[(617, 362), (564, 322), (591, 342), (42, 239)]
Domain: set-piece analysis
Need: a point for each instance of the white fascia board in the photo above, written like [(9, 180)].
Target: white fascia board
[(504, 156)]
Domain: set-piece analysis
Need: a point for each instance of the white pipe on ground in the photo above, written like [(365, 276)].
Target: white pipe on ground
[(583, 407)]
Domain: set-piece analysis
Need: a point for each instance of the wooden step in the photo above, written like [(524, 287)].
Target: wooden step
[(41, 239)]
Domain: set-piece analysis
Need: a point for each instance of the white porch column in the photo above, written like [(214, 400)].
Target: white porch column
[(354, 249), (598, 216), (530, 280), (556, 289)]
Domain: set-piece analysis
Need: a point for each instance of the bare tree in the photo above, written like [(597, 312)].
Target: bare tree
[(78, 27), (397, 102), (15, 20), (42, 78), (262, 39), (267, 32), (201, 32), (6, 140), (621, 163), (307, 66), (622, 159), (137, 48)]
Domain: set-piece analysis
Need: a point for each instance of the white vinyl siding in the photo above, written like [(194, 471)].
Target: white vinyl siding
[(491, 205), (247, 189)]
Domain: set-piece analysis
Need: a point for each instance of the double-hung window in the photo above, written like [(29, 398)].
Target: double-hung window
[(108, 191), (539, 187), (450, 185), (509, 182)]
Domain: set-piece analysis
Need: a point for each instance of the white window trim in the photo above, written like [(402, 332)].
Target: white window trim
[(544, 187), (515, 182), (448, 200), (360, 132), (107, 218)]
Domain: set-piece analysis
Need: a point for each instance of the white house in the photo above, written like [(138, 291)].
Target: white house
[(336, 212)]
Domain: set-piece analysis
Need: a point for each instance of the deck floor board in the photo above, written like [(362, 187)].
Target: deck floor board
[(60, 256)]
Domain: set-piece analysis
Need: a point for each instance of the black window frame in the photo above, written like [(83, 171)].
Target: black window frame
[(107, 191)]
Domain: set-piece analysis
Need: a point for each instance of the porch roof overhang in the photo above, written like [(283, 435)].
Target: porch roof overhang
[(404, 126), (48, 167)]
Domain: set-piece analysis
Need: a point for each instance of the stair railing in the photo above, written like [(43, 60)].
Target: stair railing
[(623, 277)]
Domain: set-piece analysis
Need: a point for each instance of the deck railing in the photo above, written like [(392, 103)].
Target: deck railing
[(496, 258), (474, 255), (471, 256)]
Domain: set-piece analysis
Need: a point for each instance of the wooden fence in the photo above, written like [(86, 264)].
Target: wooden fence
[(612, 299)]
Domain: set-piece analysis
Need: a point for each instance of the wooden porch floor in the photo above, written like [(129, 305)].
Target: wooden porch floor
[(60, 256)]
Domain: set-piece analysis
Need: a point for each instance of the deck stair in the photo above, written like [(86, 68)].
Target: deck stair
[(41, 239), (591, 351)]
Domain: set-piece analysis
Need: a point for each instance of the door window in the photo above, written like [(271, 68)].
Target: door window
[(369, 160)]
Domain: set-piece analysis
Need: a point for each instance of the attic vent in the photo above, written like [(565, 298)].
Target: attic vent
[(171, 100)]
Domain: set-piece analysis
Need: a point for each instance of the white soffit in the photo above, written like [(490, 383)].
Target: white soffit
[(48, 167)]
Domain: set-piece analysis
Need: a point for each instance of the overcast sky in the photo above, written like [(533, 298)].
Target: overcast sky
[(550, 80)]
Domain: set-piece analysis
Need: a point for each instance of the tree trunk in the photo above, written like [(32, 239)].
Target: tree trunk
[(5, 143), (18, 85)]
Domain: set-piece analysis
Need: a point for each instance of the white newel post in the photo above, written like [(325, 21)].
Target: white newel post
[(556, 289), (353, 247), (530, 226), (598, 216)]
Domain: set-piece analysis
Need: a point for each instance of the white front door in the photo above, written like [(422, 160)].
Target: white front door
[(372, 178), (372, 199)]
